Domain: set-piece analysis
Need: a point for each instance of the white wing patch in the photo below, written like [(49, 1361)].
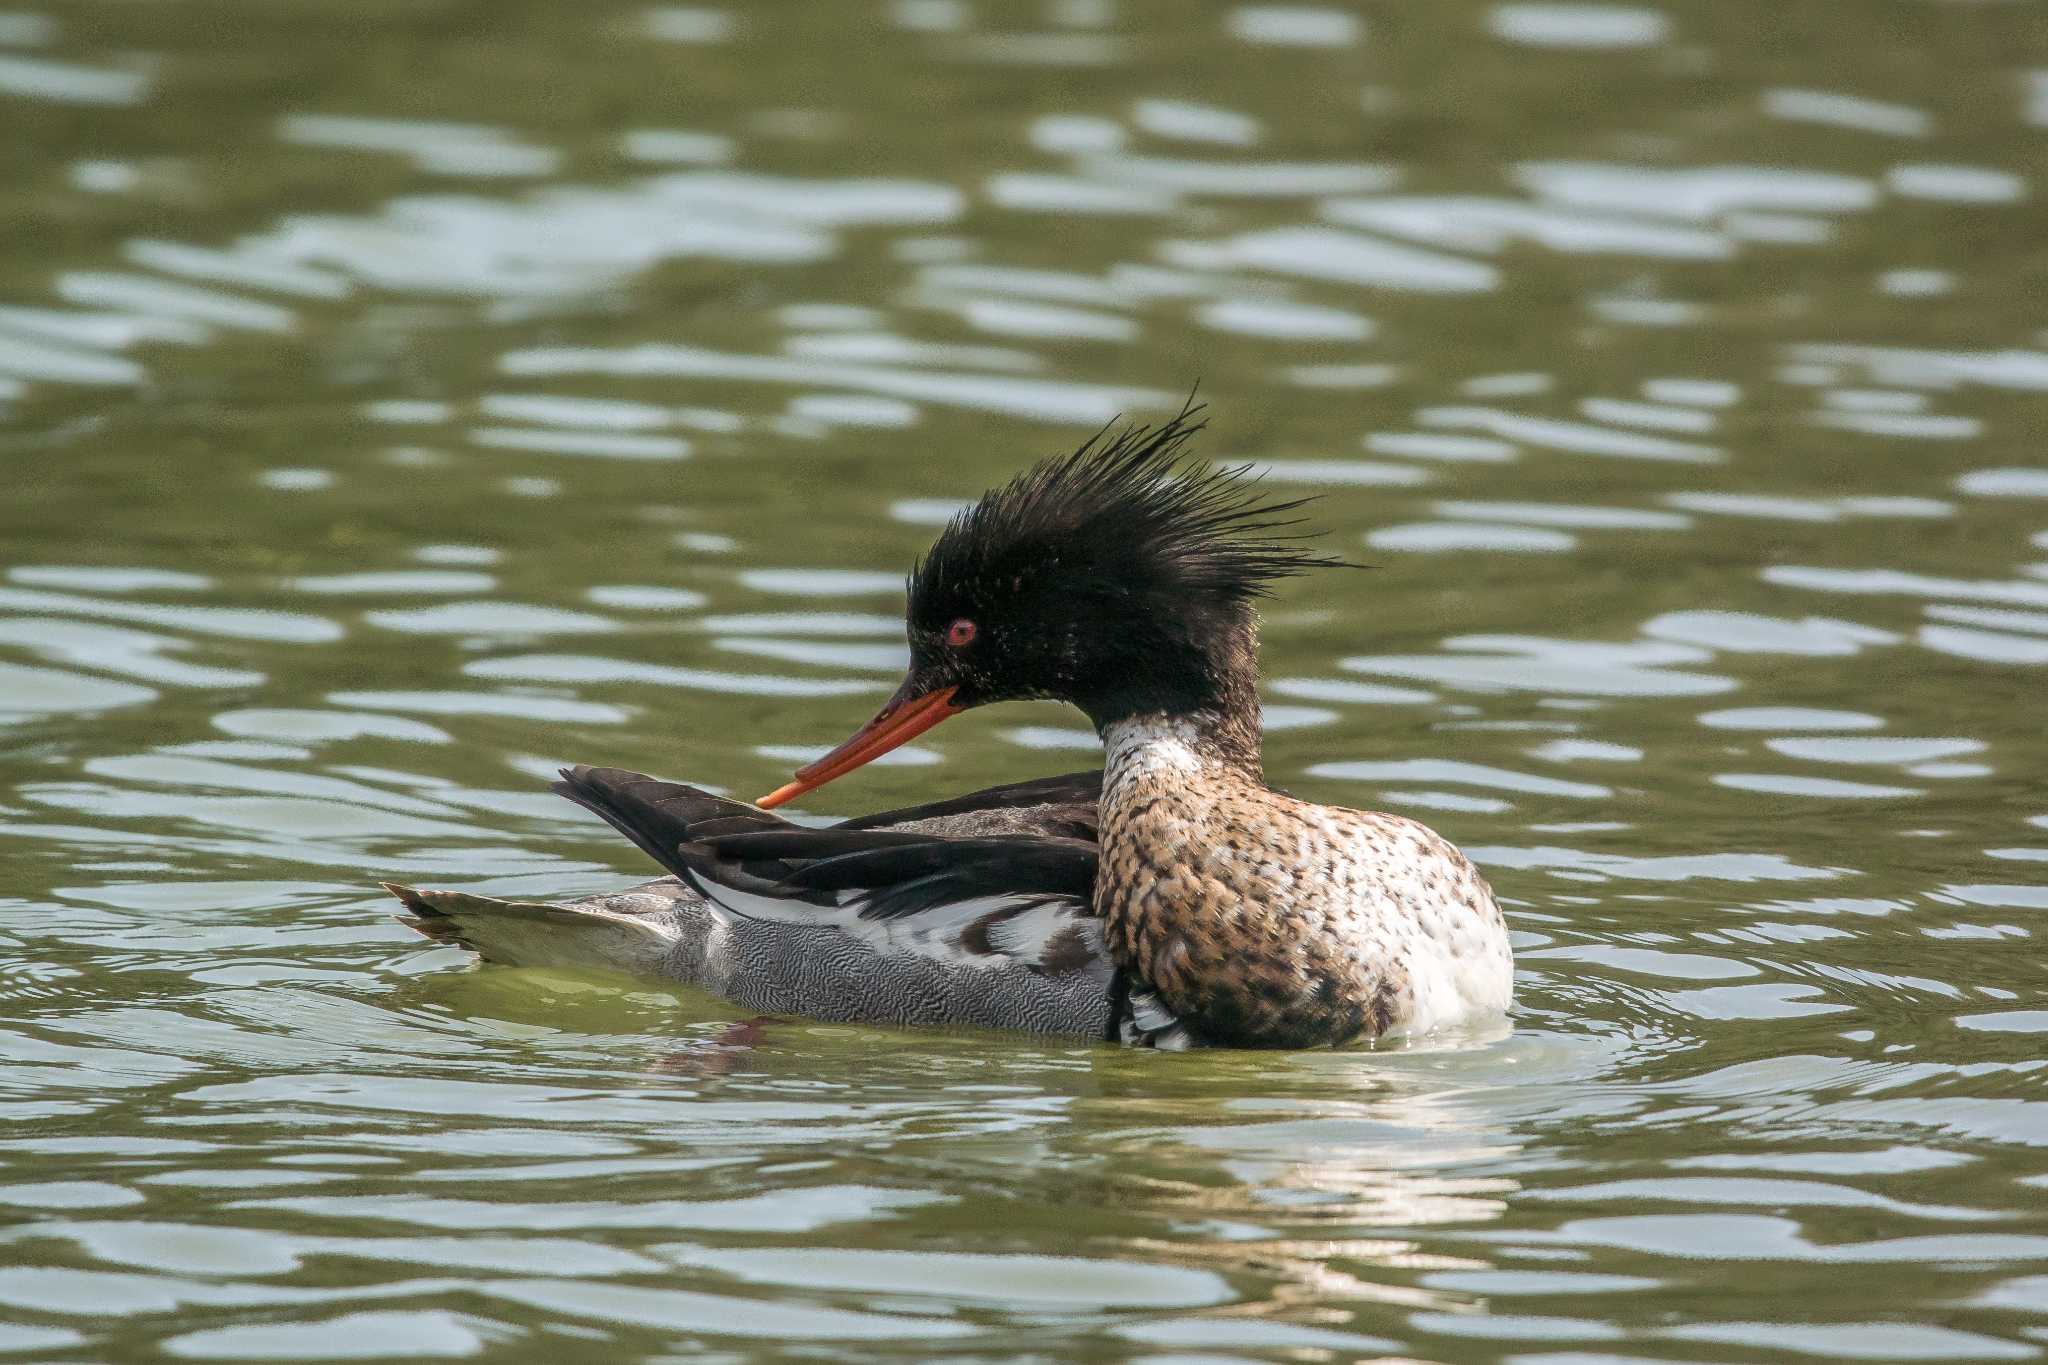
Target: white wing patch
[(1027, 935), (984, 931)]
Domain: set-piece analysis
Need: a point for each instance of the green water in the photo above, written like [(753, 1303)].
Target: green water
[(398, 400)]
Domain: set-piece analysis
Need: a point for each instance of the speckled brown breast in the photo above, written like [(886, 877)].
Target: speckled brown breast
[(1266, 921)]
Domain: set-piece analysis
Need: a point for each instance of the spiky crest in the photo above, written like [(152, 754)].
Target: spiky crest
[(1128, 502)]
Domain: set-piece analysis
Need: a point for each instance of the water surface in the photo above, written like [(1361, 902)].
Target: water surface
[(398, 401)]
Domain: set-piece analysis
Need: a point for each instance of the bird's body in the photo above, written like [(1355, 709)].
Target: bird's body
[(1172, 900)]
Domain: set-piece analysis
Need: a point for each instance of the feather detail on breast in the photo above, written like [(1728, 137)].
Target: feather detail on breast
[(1262, 920)]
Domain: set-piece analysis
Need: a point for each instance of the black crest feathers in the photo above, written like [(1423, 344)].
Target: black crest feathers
[(1128, 509)]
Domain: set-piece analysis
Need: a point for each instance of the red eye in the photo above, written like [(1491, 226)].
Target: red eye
[(961, 632)]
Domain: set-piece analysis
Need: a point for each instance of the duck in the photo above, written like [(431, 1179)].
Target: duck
[(1172, 899)]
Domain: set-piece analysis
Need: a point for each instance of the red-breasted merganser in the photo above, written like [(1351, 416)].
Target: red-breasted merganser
[(1174, 899)]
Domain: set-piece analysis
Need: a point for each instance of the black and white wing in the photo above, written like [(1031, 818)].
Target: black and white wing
[(970, 911), (873, 925)]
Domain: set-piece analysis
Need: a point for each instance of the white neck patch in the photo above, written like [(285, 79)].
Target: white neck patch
[(1150, 745)]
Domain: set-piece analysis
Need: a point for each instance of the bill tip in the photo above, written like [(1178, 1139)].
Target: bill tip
[(780, 795)]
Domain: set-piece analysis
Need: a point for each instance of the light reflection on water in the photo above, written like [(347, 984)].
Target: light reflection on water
[(583, 397)]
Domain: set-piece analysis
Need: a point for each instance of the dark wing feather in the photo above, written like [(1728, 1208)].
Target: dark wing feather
[(1069, 803), (797, 842), (656, 815), (879, 874), (902, 879), (888, 874)]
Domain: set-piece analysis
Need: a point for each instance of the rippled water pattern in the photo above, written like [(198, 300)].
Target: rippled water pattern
[(397, 401)]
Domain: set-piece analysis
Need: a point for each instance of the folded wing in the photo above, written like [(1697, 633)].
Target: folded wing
[(918, 922), (971, 911)]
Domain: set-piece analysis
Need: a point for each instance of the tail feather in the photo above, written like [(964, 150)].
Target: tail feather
[(587, 934)]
